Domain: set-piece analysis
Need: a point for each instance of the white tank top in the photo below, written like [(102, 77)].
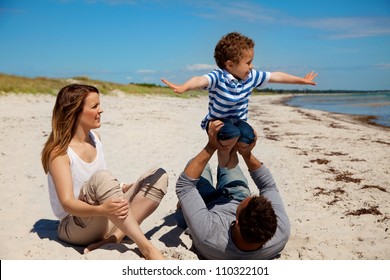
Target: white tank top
[(81, 172)]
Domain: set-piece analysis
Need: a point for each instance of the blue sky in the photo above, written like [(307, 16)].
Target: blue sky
[(131, 41)]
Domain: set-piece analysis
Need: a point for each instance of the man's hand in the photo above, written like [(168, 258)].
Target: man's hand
[(196, 166), (213, 128), (245, 150)]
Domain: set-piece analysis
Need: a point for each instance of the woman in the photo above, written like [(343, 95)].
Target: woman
[(92, 206)]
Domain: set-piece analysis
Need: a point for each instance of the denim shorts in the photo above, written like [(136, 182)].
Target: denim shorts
[(233, 128)]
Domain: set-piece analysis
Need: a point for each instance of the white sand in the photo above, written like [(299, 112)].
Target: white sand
[(305, 150)]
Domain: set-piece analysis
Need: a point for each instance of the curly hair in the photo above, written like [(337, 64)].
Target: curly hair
[(231, 47), (257, 221), (69, 104)]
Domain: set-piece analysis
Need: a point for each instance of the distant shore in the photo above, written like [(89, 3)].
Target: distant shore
[(331, 170), (365, 118)]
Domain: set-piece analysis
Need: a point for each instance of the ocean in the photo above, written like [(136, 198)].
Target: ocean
[(375, 104)]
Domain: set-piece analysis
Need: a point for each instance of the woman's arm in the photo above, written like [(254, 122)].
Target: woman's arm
[(60, 171)]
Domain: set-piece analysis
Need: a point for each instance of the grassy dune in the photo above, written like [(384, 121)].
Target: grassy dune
[(43, 85)]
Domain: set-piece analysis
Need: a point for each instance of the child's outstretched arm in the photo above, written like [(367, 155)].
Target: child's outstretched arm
[(284, 78), (193, 83)]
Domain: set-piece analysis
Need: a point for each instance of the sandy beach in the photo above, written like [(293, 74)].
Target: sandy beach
[(332, 170)]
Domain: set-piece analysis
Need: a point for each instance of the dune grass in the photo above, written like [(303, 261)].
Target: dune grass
[(42, 85)]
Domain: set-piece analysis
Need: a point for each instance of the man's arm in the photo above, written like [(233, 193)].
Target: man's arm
[(265, 183), (196, 214), (245, 151), (195, 168)]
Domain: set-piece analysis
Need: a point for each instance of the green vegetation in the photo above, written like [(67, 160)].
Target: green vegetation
[(310, 91), (42, 85)]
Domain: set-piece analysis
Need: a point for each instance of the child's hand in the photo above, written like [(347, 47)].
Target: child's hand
[(310, 77), (176, 88)]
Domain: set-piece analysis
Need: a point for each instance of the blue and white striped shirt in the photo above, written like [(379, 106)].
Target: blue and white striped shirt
[(228, 98)]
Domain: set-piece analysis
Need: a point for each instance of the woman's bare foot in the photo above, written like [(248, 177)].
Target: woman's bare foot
[(96, 245), (126, 187)]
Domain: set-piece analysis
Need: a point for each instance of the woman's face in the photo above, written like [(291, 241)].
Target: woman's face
[(90, 116)]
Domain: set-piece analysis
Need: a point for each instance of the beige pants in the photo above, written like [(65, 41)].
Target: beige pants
[(103, 185)]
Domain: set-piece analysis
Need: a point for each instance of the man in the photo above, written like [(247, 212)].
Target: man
[(227, 222)]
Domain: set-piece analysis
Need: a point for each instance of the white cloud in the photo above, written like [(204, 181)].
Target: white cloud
[(146, 71), (328, 27), (382, 65), (112, 2), (351, 27), (199, 66)]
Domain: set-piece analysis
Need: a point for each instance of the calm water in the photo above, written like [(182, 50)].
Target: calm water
[(369, 104)]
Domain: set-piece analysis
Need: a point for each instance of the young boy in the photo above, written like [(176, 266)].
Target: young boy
[(230, 86)]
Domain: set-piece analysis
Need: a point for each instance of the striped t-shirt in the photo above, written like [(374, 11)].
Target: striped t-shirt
[(228, 97)]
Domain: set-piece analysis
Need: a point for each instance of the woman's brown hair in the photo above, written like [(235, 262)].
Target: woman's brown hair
[(69, 104)]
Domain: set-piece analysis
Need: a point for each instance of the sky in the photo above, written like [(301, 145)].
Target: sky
[(129, 41)]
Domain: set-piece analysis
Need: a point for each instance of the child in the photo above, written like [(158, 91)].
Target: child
[(230, 86)]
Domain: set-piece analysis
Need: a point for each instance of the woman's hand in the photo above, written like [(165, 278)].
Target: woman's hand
[(116, 207)]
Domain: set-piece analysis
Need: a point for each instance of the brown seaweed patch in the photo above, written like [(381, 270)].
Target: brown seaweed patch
[(291, 147), (336, 154), (310, 116), (346, 177), (337, 191), (268, 122), (357, 160), (373, 210), (384, 219), (336, 125), (336, 199), (374, 187), (272, 137), (292, 133), (382, 142), (320, 161)]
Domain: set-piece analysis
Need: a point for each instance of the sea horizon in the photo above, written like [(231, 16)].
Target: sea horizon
[(373, 104)]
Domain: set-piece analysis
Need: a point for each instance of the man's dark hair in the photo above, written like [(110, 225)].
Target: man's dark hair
[(257, 221)]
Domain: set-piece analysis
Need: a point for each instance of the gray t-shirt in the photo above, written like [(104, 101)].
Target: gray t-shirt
[(210, 226)]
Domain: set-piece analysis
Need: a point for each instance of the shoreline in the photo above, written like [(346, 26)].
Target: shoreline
[(364, 119), (331, 170)]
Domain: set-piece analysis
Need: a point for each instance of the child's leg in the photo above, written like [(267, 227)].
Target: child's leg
[(228, 136), (247, 136), (233, 159), (225, 153), (246, 131)]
